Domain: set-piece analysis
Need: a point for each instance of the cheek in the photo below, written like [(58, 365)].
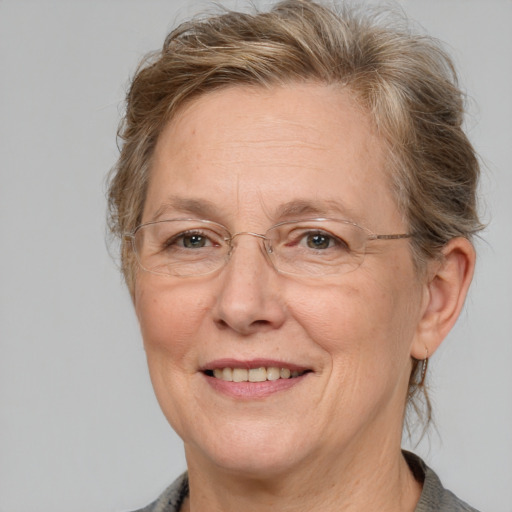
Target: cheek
[(364, 330), (336, 315), (361, 321), (168, 318)]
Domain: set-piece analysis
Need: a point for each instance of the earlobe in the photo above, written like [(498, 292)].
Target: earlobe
[(444, 295)]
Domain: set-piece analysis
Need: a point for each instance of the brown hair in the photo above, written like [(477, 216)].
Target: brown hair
[(404, 81)]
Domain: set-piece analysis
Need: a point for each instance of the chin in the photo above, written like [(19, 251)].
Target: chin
[(256, 452)]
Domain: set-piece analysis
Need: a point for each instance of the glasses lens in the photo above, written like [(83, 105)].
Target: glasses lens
[(316, 247), (181, 247)]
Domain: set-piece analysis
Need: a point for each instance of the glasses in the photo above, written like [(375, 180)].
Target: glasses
[(310, 247)]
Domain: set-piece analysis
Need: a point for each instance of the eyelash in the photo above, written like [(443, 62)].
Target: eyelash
[(180, 237), (295, 238), (334, 241)]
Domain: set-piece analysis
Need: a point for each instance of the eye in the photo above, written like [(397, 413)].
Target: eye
[(194, 241), (190, 240), (318, 241), (321, 240)]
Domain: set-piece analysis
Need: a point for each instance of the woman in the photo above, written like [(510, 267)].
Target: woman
[(296, 199)]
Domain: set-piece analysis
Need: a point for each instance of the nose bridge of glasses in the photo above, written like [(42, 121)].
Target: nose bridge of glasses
[(249, 233), (260, 236)]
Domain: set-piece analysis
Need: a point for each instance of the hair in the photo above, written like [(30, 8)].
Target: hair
[(403, 80)]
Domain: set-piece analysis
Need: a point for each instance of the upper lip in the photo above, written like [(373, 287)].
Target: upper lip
[(252, 363)]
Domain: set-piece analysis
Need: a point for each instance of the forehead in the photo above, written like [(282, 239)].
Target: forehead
[(244, 148)]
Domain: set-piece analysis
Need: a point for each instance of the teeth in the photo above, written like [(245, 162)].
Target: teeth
[(240, 375), (285, 373), (227, 374), (255, 374), (273, 373)]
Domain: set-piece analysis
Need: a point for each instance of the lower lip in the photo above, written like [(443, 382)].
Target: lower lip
[(253, 390)]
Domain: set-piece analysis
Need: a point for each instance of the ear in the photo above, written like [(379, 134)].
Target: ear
[(446, 287)]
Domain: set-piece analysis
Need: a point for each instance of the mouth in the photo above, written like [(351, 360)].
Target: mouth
[(258, 374), (256, 379)]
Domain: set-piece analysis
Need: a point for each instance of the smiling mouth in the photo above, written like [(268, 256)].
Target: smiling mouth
[(261, 374)]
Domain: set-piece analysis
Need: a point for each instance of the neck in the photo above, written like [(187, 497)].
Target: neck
[(375, 480)]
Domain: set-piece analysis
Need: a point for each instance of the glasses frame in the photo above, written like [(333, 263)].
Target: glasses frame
[(370, 236)]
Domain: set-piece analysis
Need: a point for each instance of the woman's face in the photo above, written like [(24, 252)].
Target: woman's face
[(249, 158)]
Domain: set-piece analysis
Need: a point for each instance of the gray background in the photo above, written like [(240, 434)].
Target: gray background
[(80, 429)]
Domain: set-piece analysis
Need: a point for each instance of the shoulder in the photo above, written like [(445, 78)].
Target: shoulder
[(434, 496), (171, 499)]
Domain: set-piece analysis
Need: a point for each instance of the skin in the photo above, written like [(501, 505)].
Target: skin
[(331, 441)]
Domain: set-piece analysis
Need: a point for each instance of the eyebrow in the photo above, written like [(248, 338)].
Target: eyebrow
[(205, 209), (197, 207), (322, 208)]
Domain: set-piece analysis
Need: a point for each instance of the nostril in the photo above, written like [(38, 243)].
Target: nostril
[(260, 323), (249, 329), (222, 324)]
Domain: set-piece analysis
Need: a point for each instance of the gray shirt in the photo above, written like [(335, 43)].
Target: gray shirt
[(434, 497)]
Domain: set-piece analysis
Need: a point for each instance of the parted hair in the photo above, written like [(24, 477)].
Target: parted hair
[(403, 79)]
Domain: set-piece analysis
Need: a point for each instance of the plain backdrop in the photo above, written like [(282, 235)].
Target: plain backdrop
[(80, 429)]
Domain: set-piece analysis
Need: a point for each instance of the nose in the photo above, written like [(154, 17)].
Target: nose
[(249, 298)]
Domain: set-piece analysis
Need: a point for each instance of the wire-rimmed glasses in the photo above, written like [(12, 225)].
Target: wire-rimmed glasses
[(310, 247)]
